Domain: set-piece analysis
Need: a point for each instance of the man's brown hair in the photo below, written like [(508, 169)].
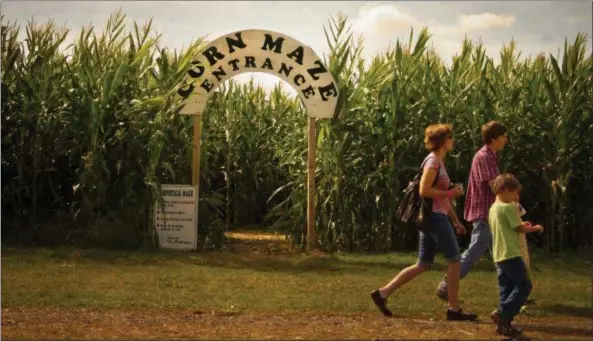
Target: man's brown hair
[(506, 182), (435, 136), (492, 130)]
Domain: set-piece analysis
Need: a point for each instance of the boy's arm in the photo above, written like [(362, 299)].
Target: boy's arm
[(516, 223), (512, 215), (526, 227)]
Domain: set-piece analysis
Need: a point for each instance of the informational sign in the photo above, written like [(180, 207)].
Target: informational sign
[(260, 51), (177, 224)]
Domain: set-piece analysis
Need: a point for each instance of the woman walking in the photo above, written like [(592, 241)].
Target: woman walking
[(438, 139)]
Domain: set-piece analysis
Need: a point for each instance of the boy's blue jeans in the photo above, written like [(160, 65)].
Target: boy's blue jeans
[(514, 286), (481, 240)]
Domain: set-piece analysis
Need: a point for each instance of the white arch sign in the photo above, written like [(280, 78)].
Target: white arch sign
[(260, 51)]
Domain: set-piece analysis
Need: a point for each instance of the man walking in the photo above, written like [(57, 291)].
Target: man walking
[(480, 196)]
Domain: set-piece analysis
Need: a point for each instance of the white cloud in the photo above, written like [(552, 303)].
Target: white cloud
[(447, 48), (577, 18), (381, 25), (382, 19), (484, 21), (377, 21)]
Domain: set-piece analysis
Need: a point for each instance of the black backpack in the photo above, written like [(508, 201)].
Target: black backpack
[(413, 208)]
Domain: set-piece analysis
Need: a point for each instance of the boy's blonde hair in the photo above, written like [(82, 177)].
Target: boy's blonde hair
[(506, 182)]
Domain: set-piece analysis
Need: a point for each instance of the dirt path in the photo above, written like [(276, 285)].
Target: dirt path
[(183, 324)]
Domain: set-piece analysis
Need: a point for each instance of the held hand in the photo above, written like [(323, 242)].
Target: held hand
[(456, 192), (459, 228), (539, 228)]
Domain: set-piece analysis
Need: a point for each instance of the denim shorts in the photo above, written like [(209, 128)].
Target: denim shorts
[(438, 236)]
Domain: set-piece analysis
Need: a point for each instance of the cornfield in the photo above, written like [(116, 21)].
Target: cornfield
[(90, 130)]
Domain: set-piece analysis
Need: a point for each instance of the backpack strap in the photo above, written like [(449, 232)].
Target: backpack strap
[(436, 178)]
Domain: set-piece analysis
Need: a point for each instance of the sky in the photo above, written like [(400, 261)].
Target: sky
[(536, 26)]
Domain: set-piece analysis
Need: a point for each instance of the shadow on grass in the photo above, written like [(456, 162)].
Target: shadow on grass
[(327, 264), (260, 261), (563, 309), (559, 330)]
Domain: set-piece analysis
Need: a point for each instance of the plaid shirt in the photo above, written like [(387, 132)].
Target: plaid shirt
[(479, 195)]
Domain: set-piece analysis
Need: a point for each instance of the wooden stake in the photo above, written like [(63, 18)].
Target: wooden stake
[(312, 143), (195, 169), (195, 174)]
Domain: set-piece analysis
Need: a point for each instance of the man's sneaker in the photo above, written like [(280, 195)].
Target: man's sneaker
[(460, 316), (380, 302), (505, 328), (442, 291)]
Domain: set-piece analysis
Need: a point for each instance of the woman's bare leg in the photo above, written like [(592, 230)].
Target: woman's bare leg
[(453, 285), (403, 277)]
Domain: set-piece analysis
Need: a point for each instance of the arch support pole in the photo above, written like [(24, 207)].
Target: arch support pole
[(311, 193), (195, 165), (195, 174)]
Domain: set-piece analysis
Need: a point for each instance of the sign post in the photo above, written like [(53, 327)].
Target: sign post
[(195, 174), (311, 154)]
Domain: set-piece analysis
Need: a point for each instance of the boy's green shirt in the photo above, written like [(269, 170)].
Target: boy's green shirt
[(504, 221)]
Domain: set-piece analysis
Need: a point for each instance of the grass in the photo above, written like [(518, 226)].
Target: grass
[(258, 282), (260, 290)]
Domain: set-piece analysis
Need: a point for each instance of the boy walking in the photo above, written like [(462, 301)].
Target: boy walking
[(513, 281)]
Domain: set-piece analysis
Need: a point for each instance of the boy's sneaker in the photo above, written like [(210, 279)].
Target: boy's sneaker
[(495, 316), (505, 328), (380, 302), (460, 316)]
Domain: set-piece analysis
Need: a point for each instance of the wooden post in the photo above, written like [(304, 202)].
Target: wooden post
[(195, 174), (312, 142), (195, 169)]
